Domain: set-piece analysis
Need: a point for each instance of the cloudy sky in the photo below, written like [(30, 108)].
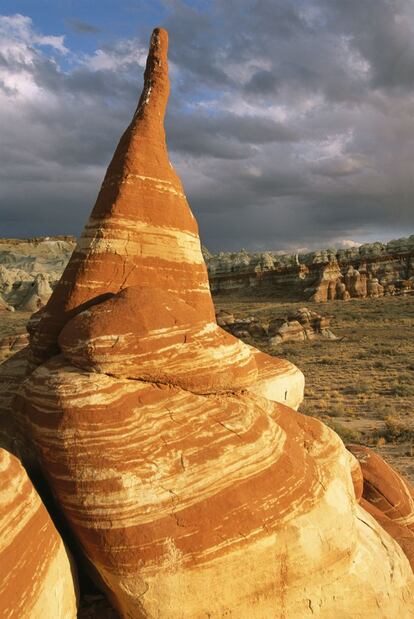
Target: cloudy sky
[(291, 122)]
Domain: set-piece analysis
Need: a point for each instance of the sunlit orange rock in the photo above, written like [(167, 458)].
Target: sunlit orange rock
[(141, 230), (193, 490), (388, 496), (172, 345), (37, 577)]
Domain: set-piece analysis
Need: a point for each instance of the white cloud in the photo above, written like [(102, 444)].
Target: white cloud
[(121, 56), (21, 46), (346, 244), (17, 34)]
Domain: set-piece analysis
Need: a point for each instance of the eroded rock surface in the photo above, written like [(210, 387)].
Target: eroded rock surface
[(388, 497), (10, 344), (192, 489), (301, 325), (14, 431), (371, 270), (37, 577), (30, 268)]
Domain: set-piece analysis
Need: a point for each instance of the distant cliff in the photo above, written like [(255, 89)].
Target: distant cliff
[(30, 268), (370, 270)]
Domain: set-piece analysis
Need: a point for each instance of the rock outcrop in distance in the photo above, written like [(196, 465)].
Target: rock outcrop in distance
[(370, 270), (301, 325), (191, 488), (30, 268)]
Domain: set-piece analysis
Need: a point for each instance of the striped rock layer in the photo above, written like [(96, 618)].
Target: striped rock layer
[(37, 580), (141, 230), (14, 429), (191, 488), (192, 505), (172, 345), (142, 236), (388, 496)]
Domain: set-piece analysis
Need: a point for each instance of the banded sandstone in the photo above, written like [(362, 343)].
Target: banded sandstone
[(37, 578), (141, 231), (388, 497), (191, 493)]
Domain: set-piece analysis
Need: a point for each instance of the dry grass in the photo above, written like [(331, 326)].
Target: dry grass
[(363, 385), (12, 322)]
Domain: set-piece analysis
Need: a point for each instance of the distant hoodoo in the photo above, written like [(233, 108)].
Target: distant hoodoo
[(174, 450)]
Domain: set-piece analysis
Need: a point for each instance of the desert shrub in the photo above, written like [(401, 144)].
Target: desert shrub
[(406, 378), (396, 430), (334, 395), (350, 390), (289, 350), (337, 410), (380, 408), (358, 388), (402, 390), (318, 344), (346, 434), (306, 408), (327, 361), (384, 349)]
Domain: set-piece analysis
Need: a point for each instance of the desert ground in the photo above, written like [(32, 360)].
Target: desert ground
[(12, 323), (362, 385)]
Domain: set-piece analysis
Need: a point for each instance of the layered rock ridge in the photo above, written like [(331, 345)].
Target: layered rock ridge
[(192, 489), (369, 271)]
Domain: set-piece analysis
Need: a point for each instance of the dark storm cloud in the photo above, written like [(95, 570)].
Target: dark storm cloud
[(382, 31), (223, 136), (289, 121), (263, 82), (342, 73)]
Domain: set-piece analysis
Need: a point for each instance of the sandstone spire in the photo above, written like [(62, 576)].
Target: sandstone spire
[(141, 230), (192, 489)]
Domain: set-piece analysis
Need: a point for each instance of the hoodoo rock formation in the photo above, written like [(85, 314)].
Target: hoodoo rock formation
[(300, 325), (39, 294), (141, 231), (37, 578), (30, 268), (371, 270), (192, 490)]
